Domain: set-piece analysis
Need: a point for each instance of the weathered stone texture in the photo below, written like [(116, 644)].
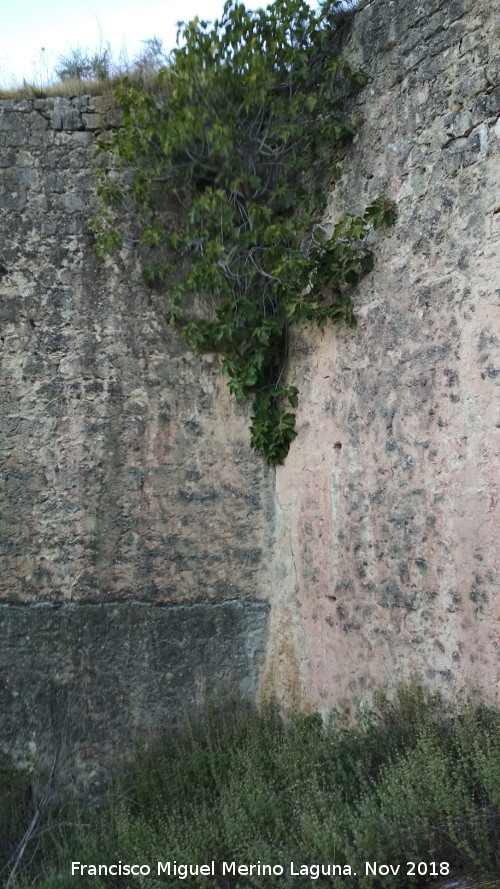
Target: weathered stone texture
[(391, 491), (119, 480), (94, 678), (125, 471)]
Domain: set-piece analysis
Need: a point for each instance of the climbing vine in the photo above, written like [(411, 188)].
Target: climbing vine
[(229, 164)]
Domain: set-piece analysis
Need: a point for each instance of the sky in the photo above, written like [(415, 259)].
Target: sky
[(34, 33)]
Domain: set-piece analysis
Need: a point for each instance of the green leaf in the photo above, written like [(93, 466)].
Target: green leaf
[(227, 166), (367, 262)]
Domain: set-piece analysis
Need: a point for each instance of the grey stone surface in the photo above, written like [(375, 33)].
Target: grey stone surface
[(125, 471), (117, 467), (92, 679)]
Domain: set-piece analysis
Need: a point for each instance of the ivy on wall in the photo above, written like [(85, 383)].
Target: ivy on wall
[(239, 137)]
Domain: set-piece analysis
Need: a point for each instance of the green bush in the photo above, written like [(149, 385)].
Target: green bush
[(83, 64), (99, 65), (230, 166), (409, 781)]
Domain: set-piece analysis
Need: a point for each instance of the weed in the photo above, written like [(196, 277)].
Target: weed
[(409, 781)]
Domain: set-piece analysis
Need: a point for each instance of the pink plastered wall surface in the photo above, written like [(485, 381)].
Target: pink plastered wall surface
[(389, 498)]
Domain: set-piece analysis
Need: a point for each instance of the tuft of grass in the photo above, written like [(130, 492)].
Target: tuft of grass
[(95, 73), (67, 88), (409, 781), (74, 86), (15, 809)]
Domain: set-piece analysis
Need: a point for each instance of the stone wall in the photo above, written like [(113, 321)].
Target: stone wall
[(148, 557), (125, 471), (390, 495)]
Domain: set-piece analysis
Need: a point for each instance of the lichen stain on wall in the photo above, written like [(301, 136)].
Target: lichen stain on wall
[(392, 484)]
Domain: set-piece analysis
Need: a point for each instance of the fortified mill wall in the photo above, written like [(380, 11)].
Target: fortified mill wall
[(149, 559)]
